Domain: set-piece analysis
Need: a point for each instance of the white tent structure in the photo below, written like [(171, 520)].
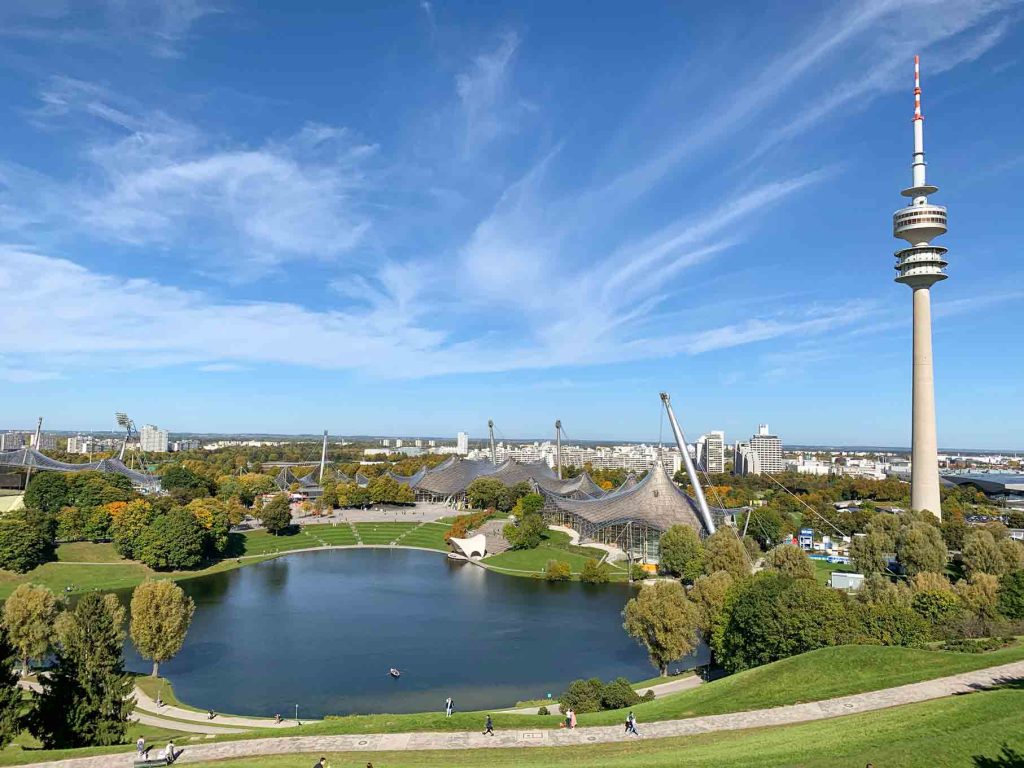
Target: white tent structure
[(473, 547)]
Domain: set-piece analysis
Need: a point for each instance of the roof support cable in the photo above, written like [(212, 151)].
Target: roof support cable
[(808, 506)]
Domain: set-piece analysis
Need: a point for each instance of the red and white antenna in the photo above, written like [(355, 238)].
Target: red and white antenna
[(917, 88)]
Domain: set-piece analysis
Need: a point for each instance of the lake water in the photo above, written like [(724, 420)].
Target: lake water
[(321, 630)]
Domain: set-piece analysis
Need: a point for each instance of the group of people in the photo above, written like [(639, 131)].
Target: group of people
[(570, 718), (168, 754)]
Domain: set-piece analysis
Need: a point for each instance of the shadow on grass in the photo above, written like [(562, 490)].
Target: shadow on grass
[(1002, 683), (1008, 757)]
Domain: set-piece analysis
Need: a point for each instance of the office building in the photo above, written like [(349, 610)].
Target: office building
[(152, 439)]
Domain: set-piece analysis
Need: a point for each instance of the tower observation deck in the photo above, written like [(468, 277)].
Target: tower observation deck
[(920, 266)]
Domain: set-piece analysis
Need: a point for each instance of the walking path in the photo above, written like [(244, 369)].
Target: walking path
[(554, 737), (147, 706)]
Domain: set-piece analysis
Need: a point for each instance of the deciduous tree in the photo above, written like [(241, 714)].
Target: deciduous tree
[(128, 525), (791, 561), (682, 554), (161, 616), (708, 595), (276, 514), (664, 621), (29, 615), (175, 541), (25, 541), (1011, 595), (10, 693), (981, 554), (723, 551)]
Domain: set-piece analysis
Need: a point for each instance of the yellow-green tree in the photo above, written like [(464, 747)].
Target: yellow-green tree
[(29, 614), (723, 551), (161, 615), (664, 621)]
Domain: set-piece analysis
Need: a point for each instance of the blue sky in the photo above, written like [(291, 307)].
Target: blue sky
[(410, 217)]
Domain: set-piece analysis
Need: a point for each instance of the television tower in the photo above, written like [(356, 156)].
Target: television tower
[(921, 266)]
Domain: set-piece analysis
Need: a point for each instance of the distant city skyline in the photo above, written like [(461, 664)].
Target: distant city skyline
[(406, 219)]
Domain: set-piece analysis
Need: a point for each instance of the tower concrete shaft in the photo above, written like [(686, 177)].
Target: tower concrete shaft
[(920, 266)]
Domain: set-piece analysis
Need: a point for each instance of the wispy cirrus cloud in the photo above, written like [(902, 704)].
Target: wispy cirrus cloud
[(161, 182)]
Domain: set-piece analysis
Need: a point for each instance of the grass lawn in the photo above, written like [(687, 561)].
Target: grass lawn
[(955, 731), (822, 569), (88, 552), (263, 543), (382, 533), (428, 535), (555, 546), (25, 749), (340, 535)]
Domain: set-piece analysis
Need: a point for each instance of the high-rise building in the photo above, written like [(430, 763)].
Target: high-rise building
[(768, 448), (153, 439), (12, 440), (921, 266), (47, 442), (462, 443), (398, 443), (745, 461), (711, 452)]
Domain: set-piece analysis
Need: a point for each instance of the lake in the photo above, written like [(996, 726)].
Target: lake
[(321, 630)]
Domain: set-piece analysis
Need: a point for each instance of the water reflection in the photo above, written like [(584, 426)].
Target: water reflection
[(321, 629)]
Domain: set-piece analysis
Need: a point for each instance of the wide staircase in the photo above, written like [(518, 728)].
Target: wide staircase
[(496, 541)]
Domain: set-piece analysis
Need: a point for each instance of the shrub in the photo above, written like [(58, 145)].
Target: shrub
[(593, 696), (594, 572), (463, 524), (638, 573), (557, 570), (543, 711), (648, 696)]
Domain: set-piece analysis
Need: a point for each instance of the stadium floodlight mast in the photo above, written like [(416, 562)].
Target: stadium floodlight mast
[(129, 428)]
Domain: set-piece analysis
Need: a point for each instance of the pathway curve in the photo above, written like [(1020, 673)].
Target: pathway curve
[(148, 706), (554, 737)]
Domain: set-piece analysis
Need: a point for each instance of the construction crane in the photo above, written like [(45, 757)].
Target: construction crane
[(691, 472)]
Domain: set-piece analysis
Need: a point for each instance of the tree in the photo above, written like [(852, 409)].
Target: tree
[(175, 541), (127, 526), (708, 595), (216, 517), (1013, 554), (25, 541), (934, 600), (791, 561), (484, 492), (724, 552), (276, 514), (681, 552), (889, 622), (48, 491), (981, 554), (161, 615), (557, 570), (594, 572), (920, 547), (772, 616), (10, 692), (1011, 595), (664, 621), (870, 552), (84, 700), (528, 504), (177, 477), (980, 596), (29, 615), (525, 533)]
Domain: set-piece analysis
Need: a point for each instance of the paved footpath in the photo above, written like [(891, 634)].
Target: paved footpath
[(795, 713), (148, 706)]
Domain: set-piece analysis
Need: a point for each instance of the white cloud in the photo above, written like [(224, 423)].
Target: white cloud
[(158, 182), (482, 93)]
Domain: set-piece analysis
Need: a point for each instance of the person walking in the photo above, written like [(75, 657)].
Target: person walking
[(488, 727), (449, 707), (321, 763), (631, 725), (140, 746), (572, 718)]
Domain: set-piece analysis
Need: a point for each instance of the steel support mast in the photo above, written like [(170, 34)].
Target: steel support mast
[(558, 446), (490, 432), (323, 458), (691, 471)]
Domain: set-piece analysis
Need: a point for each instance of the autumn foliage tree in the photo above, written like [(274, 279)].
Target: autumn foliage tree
[(29, 615), (664, 621)]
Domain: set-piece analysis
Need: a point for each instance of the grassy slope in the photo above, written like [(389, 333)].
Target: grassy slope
[(913, 736), (813, 676)]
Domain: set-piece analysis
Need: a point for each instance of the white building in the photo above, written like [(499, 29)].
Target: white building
[(768, 449), (808, 465), (462, 443), (47, 442), (710, 452), (153, 439), (745, 461), (188, 444), (11, 440)]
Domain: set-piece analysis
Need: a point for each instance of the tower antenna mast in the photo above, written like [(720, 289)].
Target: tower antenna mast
[(490, 431), (920, 266), (323, 458)]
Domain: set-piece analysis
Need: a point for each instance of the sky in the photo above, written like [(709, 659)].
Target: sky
[(405, 218)]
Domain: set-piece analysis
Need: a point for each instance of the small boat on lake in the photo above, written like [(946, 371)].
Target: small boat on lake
[(394, 673)]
